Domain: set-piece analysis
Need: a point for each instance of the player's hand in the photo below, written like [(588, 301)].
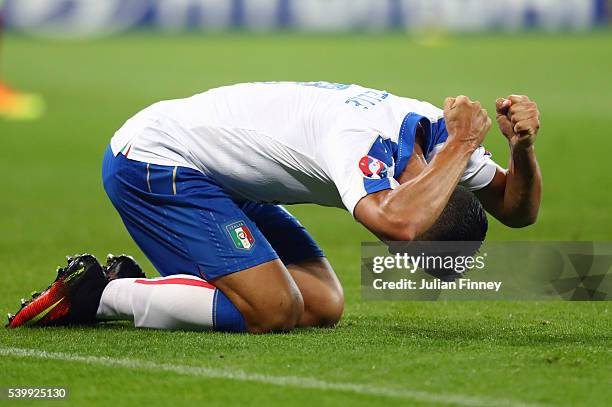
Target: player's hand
[(467, 122), (518, 119)]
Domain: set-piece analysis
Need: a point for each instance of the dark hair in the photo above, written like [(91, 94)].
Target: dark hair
[(463, 219)]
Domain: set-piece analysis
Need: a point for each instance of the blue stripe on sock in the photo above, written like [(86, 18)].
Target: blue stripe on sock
[(214, 309), (226, 317)]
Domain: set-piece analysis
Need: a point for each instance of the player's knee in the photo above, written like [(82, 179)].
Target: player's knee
[(280, 314), (328, 310)]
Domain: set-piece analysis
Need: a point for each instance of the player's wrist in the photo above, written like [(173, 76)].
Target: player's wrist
[(522, 146), (462, 146), (523, 156)]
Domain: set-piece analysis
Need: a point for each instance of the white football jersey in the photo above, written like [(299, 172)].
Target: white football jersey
[(292, 142)]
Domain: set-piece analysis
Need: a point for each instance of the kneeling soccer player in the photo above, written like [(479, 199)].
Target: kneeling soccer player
[(198, 183)]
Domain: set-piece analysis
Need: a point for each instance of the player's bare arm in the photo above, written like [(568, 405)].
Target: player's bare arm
[(405, 213), (513, 196)]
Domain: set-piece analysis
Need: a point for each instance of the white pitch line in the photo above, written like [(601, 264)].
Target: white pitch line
[(283, 381)]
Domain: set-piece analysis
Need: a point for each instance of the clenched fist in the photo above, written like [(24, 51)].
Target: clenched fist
[(466, 121), (518, 119)]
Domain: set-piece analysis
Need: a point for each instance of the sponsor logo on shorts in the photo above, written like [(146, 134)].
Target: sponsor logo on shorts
[(240, 235)]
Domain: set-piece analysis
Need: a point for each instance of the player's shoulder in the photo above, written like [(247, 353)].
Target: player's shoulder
[(420, 107)]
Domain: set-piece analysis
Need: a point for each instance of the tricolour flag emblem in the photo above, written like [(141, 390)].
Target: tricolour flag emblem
[(241, 235)]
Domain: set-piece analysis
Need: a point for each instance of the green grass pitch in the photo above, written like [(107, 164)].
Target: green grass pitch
[(382, 353)]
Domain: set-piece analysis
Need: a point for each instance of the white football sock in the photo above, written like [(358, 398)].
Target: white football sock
[(174, 302)]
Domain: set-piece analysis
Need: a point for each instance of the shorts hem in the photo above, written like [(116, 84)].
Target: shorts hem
[(294, 260), (209, 276)]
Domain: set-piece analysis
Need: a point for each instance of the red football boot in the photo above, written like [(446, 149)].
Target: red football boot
[(72, 299)]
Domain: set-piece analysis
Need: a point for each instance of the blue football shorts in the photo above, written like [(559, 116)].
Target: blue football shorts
[(185, 223)]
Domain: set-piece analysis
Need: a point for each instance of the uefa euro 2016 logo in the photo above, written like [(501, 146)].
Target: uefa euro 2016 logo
[(373, 168)]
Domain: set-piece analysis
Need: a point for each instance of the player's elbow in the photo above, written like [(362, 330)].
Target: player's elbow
[(529, 219), (521, 223), (390, 221), (401, 229), (408, 232), (520, 220)]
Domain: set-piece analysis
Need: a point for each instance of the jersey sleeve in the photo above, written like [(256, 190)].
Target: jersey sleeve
[(479, 171), (360, 164)]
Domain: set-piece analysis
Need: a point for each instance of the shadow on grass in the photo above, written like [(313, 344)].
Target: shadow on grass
[(358, 330)]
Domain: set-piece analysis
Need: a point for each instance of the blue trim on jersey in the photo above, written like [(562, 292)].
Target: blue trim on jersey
[(375, 185), (435, 133), (384, 150), (405, 141)]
